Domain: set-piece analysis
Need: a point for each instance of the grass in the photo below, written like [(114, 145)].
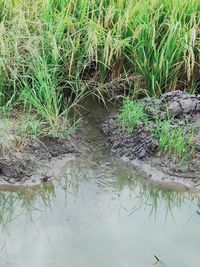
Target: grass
[(16, 131), (133, 114), (99, 41), (174, 141), (55, 52)]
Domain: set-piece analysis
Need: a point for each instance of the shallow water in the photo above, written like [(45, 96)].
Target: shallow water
[(100, 213)]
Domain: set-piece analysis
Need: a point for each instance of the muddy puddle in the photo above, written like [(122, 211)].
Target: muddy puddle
[(98, 213)]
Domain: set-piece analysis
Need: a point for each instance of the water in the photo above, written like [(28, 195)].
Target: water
[(100, 213)]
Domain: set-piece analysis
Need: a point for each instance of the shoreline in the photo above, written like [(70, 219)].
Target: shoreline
[(141, 147), (158, 177)]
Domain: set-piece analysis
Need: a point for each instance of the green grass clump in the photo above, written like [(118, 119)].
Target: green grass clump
[(133, 113), (174, 141)]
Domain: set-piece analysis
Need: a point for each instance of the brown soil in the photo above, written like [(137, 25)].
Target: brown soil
[(36, 163)]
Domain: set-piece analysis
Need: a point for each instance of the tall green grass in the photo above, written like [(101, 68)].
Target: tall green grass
[(54, 48)]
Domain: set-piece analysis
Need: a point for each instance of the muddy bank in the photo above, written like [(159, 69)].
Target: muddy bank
[(39, 161), (140, 148)]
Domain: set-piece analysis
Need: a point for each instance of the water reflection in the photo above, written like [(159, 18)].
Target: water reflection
[(198, 207), (23, 202), (93, 214), (117, 181), (99, 214), (151, 197), (144, 195)]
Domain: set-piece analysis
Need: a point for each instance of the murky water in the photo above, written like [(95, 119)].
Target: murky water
[(98, 214)]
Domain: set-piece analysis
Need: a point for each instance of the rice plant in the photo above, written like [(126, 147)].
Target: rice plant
[(54, 51)]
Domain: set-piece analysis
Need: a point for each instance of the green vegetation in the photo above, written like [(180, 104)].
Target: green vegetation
[(54, 52), (173, 140), (133, 114)]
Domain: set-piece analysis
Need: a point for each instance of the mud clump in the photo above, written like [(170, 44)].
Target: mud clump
[(176, 104), (179, 103), (25, 166), (139, 144), (49, 147), (14, 169)]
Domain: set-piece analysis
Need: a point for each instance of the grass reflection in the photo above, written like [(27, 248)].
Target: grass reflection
[(149, 196), (144, 195), (155, 200), (198, 207), (24, 202)]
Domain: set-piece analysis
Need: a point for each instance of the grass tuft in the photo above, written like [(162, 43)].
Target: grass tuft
[(174, 141), (132, 114)]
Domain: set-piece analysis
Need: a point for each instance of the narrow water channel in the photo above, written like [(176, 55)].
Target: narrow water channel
[(99, 214)]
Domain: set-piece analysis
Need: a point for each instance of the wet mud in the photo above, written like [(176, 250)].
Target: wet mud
[(38, 162), (44, 159), (140, 148)]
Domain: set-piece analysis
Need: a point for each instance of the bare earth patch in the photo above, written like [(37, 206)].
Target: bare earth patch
[(39, 161)]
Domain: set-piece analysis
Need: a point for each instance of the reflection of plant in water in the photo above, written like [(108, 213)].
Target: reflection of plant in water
[(153, 196), (72, 180), (26, 201), (198, 207), (146, 195)]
